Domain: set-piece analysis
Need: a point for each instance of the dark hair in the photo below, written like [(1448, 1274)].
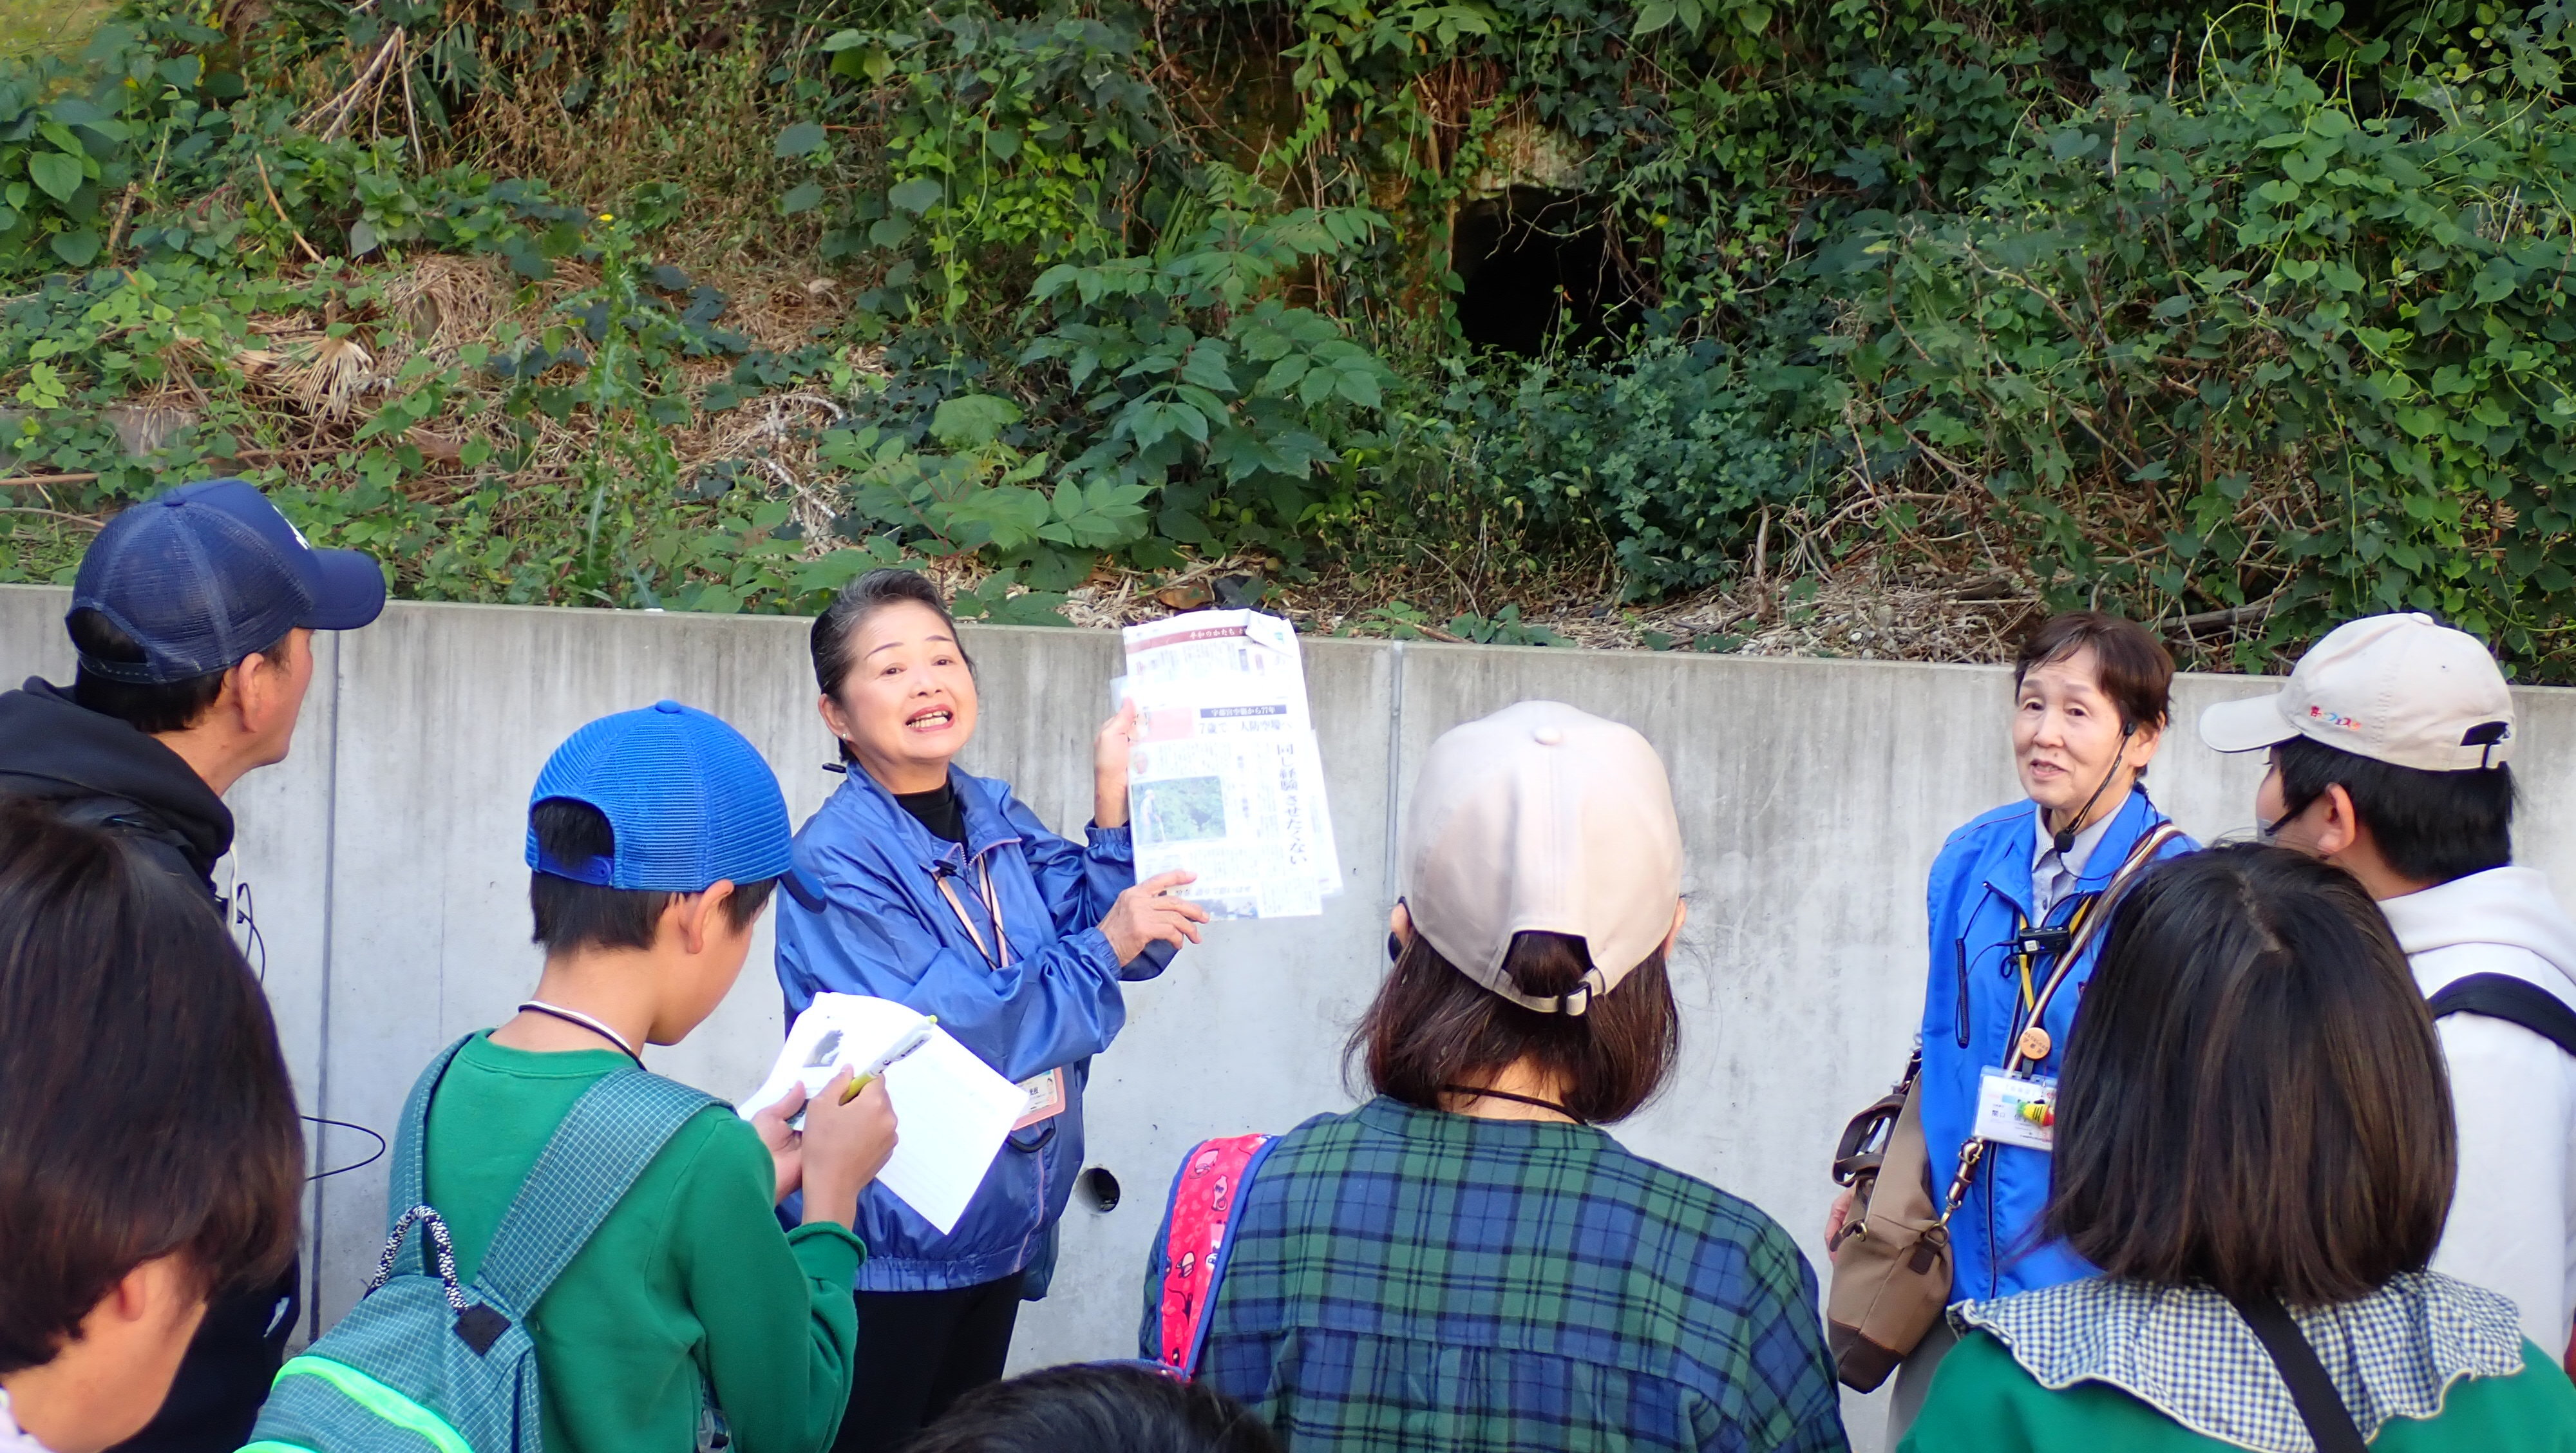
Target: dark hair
[(572, 915), (850, 609), (145, 1108), (1096, 1408), (2253, 1097), (170, 706), (1432, 1026), (2134, 669), (2430, 826)]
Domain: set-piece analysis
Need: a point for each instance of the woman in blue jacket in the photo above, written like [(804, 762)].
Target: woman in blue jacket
[(2090, 701), (921, 883)]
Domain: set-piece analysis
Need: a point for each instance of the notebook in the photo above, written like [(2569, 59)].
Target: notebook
[(952, 1109)]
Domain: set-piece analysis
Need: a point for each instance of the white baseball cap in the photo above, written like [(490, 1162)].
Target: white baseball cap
[(2403, 689), (1548, 819)]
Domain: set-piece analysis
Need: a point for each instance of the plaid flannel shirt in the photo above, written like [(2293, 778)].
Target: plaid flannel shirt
[(1435, 1283)]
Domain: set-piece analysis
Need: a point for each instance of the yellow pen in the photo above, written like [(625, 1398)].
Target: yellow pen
[(913, 1038)]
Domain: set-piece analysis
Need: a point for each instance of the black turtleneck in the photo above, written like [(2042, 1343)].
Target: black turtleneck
[(938, 810)]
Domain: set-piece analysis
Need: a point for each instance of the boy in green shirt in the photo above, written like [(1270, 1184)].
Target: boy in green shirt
[(656, 837)]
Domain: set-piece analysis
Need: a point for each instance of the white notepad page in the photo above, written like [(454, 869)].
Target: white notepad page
[(952, 1109)]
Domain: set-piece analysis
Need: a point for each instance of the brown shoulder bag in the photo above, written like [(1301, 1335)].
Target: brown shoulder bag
[(1891, 1260)]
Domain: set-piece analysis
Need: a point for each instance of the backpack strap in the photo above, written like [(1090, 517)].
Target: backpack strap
[(1213, 1182), (2515, 1001), (614, 1131), (409, 1172)]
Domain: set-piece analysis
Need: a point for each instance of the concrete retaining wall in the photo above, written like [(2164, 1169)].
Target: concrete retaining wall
[(391, 897)]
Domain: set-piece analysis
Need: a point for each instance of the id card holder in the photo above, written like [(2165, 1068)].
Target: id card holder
[(2015, 1111), (1046, 1098)]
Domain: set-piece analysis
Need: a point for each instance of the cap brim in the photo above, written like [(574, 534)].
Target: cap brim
[(2248, 725), (352, 591)]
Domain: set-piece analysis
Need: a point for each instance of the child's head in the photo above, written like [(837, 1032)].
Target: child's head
[(149, 1151), (1096, 1408), (657, 833)]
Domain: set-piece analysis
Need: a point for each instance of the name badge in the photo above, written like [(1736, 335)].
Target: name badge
[(1046, 1098), (2015, 1111)]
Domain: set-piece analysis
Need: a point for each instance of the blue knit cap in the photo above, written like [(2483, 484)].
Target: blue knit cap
[(689, 800)]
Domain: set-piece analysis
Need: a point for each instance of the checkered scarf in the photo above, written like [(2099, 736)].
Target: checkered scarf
[(2183, 1351)]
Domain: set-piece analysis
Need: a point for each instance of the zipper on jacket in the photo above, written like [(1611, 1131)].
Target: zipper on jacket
[(1961, 946)]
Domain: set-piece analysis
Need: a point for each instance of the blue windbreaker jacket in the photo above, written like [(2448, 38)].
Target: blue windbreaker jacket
[(864, 915), (1980, 887)]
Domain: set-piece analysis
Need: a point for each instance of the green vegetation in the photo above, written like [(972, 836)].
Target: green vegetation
[(1499, 320), (29, 26)]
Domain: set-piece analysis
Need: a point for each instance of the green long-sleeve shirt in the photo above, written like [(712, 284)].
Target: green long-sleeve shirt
[(1982, 1401), (690, 1274)]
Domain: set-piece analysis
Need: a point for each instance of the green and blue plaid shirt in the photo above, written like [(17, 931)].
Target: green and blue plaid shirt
[(1409, 1280)]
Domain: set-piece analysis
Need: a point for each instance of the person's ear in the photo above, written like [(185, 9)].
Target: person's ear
[(1673, 935), (1399, 926), (2142, 745), (236, 703), (835, 720), (2340, 826), (696, 922), (260, 686), (161, 1290)]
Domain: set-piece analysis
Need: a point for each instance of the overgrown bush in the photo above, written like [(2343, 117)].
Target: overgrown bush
[(2311, 359), (2240, 318)]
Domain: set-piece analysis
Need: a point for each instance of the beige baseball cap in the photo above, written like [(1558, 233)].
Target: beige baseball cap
[(1542, 818), (2403, 689)]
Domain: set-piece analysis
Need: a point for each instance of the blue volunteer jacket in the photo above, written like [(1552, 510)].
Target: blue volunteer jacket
[(865, 915), (1980, 886)]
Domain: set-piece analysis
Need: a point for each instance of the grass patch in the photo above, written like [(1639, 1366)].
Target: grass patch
[(28, 27)]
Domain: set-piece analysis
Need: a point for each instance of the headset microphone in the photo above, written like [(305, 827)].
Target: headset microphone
[(2065, 836)]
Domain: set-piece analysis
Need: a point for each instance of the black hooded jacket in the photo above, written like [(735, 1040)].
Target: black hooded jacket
[(100, 771)]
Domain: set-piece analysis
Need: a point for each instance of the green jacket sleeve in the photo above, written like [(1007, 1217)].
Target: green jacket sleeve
[(779, 1324), (1981, 1402)]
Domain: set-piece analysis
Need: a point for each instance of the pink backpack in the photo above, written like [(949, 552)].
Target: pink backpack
[(1210, 1186)]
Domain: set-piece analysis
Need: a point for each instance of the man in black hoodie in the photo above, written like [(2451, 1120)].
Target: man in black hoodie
[(193, 614)]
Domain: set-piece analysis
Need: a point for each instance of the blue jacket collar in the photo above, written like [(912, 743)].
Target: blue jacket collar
[(2009, 874), (986, 827)]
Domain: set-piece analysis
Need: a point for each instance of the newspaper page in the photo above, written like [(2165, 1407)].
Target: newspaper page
[(1226, 780)]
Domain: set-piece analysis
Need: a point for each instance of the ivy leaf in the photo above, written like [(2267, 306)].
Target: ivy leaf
[(59, 175), (841, 40), (77, 248), (1652, 16), (802, 139), (804, 197), (918, 195)]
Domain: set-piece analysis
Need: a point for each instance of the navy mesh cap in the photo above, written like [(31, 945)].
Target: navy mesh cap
[(210, 572), (689, 801)]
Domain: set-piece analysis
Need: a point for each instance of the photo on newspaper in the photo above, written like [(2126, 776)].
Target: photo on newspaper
[(1226, 780)]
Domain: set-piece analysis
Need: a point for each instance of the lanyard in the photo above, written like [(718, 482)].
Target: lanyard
[(2022, 942), (999, 956)]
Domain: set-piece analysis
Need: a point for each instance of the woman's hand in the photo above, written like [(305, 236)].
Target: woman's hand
[(845, 1146), (1109, 755), (1835, 1219), (786, 1147), (1144, 914)]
